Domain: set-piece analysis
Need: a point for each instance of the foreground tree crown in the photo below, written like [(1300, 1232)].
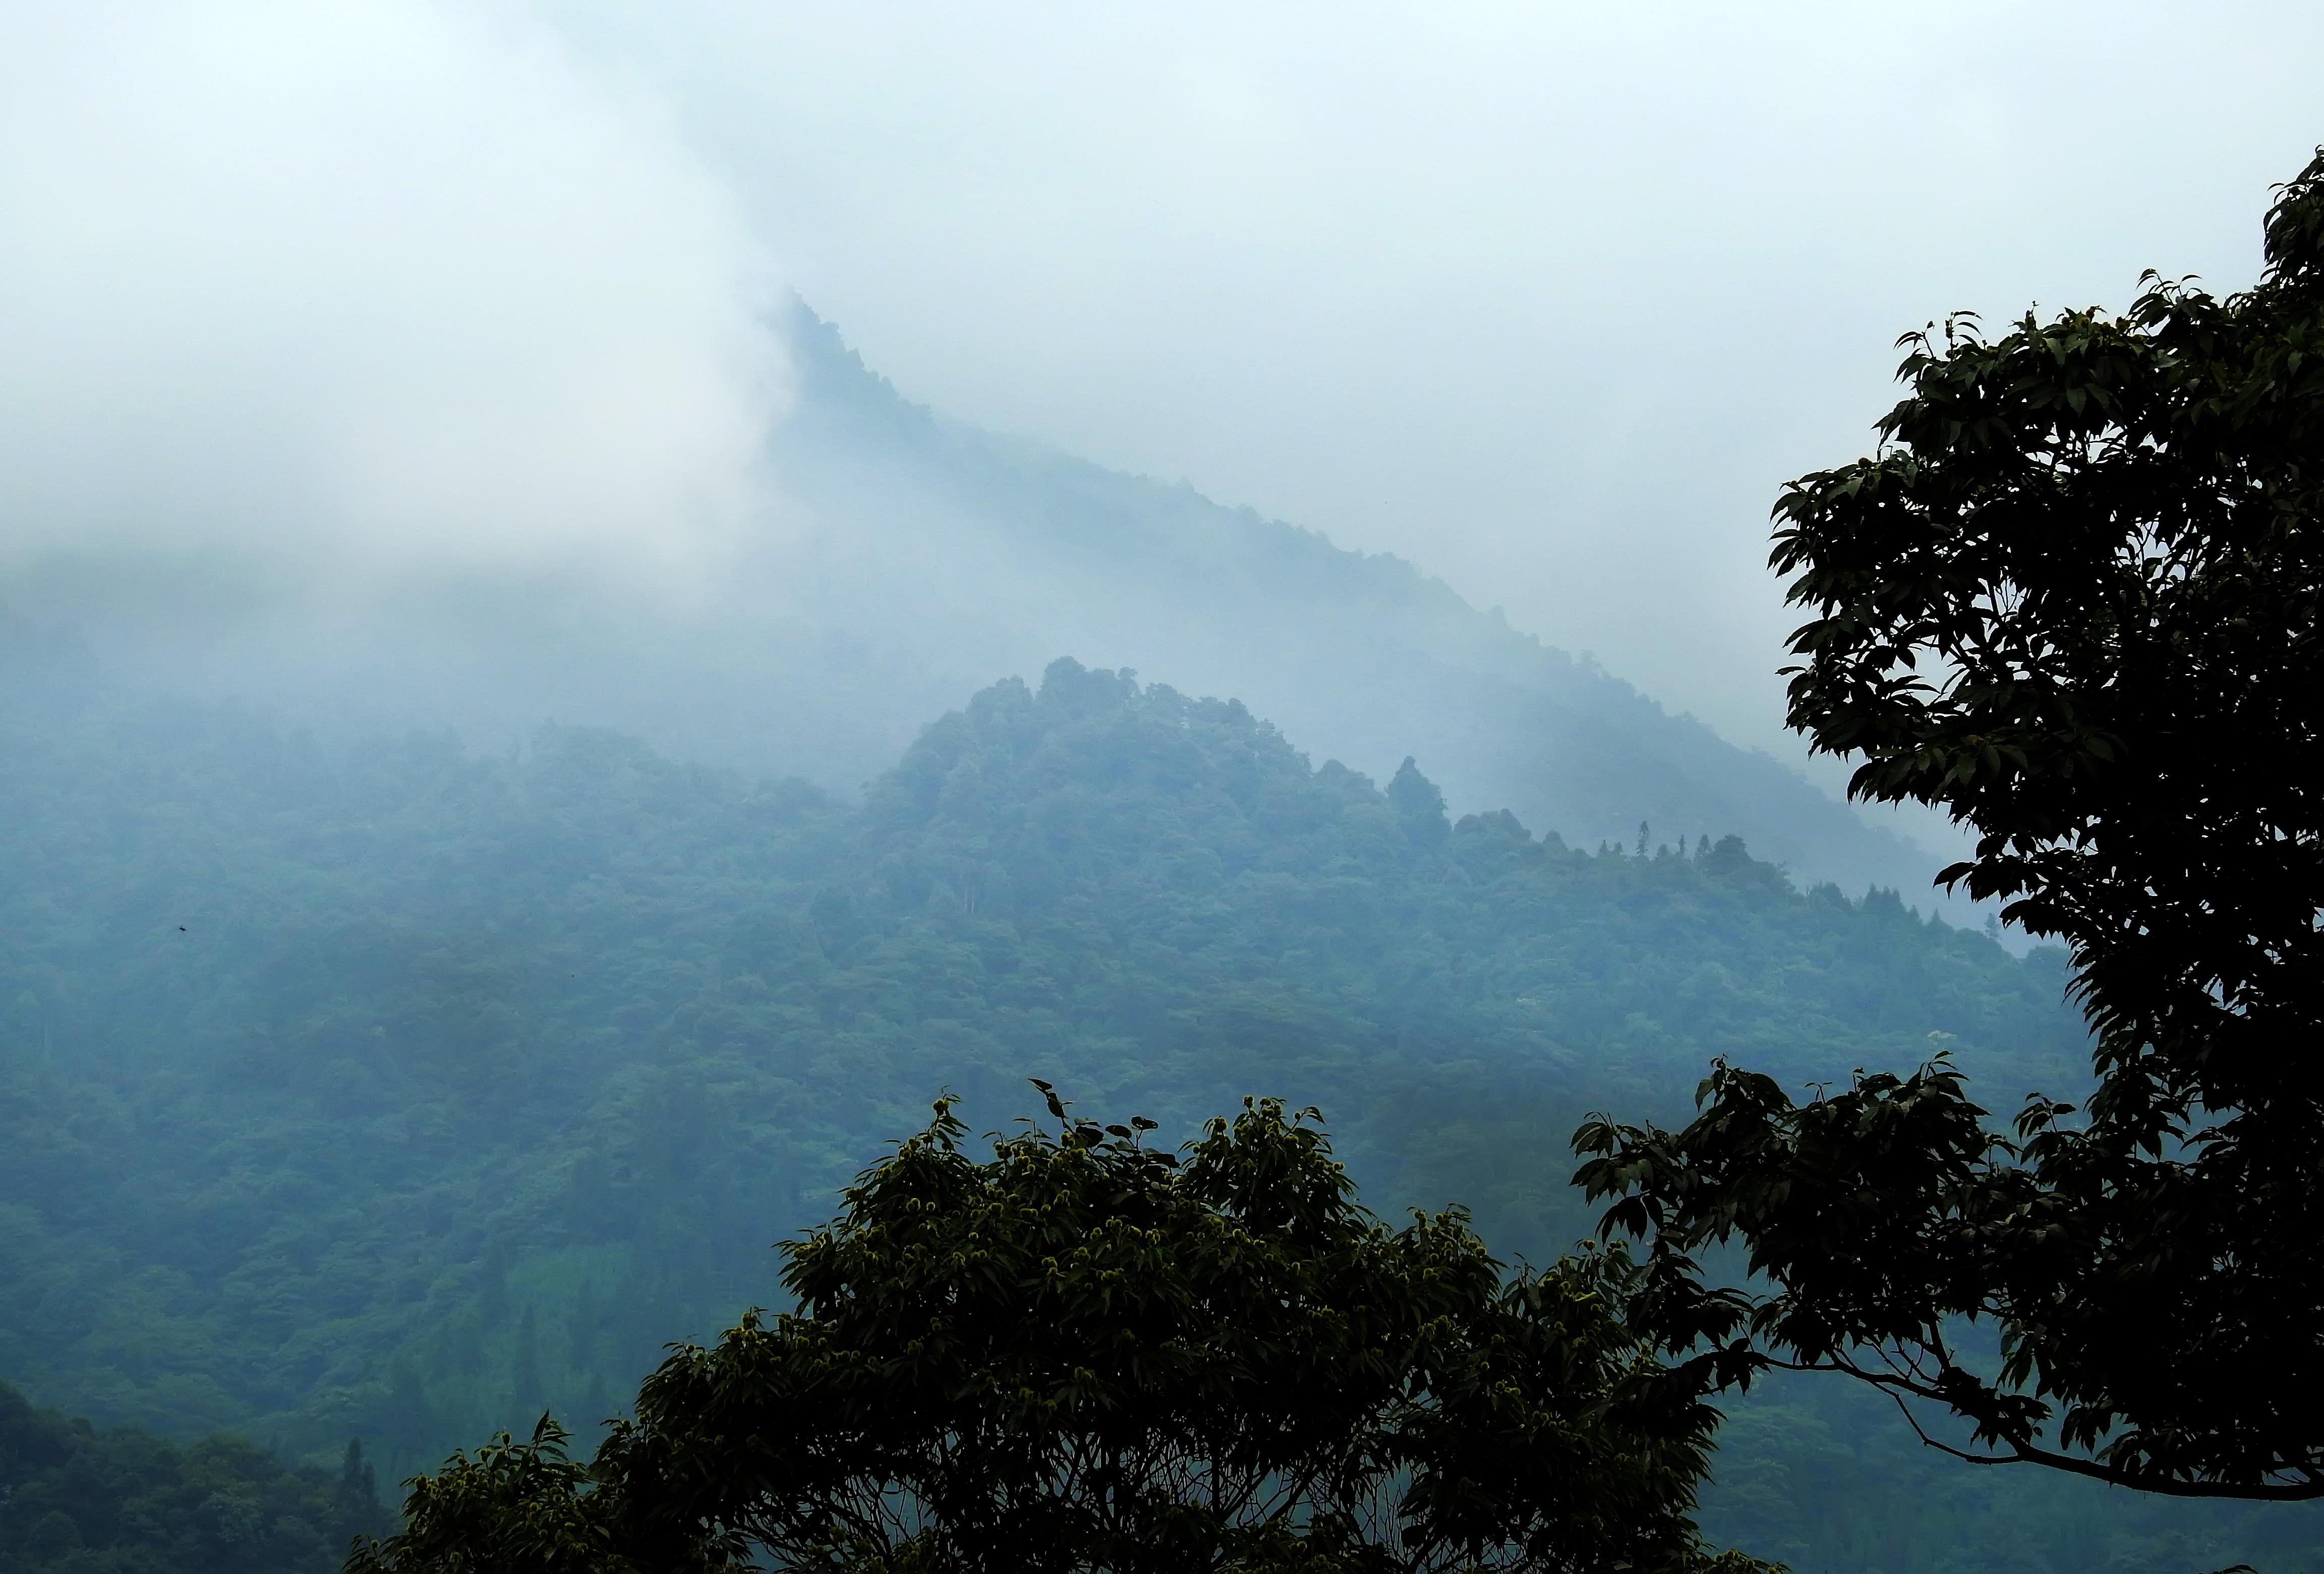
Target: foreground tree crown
[(1085, 1354), (2073, 600)]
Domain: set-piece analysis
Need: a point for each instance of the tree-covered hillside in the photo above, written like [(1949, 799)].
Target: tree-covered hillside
[(1022, 549), (898, 560), (75, 1500), (400, 1091)]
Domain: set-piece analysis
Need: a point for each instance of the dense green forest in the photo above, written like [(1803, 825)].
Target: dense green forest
[(124, 1501), (399, 1091)]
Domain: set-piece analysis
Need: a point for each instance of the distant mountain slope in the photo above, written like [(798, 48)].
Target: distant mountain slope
[(401, 1090), (907, 560), (1013, 553)]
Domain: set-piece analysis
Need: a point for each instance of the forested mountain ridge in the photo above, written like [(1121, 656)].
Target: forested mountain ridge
[(397, 1091), (895, 559), (1360, 656), (400, 1090)]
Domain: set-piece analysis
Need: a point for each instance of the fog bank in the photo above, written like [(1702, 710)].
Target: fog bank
[(326, 300)]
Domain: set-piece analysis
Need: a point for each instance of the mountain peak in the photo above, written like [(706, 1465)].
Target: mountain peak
[(1006, 551)]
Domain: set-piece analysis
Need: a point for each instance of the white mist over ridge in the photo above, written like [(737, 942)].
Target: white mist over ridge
[(329, 300), (1550, 299), (915, 560), (395, 365)]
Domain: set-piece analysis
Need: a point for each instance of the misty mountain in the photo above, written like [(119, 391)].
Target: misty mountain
[(304, 1051), (1360, 656), (400, 1090), (903, 559)]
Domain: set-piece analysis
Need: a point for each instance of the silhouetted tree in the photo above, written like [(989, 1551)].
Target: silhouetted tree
[(1419, 805), (2074, 600), (1087, 1354)]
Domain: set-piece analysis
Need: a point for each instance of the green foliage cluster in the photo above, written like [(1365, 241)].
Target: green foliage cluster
[(74, 1500), (1087, 1354), (404, 1092), (2078, 601)]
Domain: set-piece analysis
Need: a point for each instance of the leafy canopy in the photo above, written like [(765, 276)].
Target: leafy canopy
[(2073, 600), (1088, 1354), (76, 1499)]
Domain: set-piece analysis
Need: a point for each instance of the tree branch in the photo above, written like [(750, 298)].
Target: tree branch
[(2307, 1489)]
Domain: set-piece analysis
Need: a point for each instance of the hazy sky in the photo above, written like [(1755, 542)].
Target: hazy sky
[(348, 291), (1547, 298)]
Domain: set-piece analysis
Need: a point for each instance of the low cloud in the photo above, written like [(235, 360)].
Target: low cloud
[(361, 296)]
